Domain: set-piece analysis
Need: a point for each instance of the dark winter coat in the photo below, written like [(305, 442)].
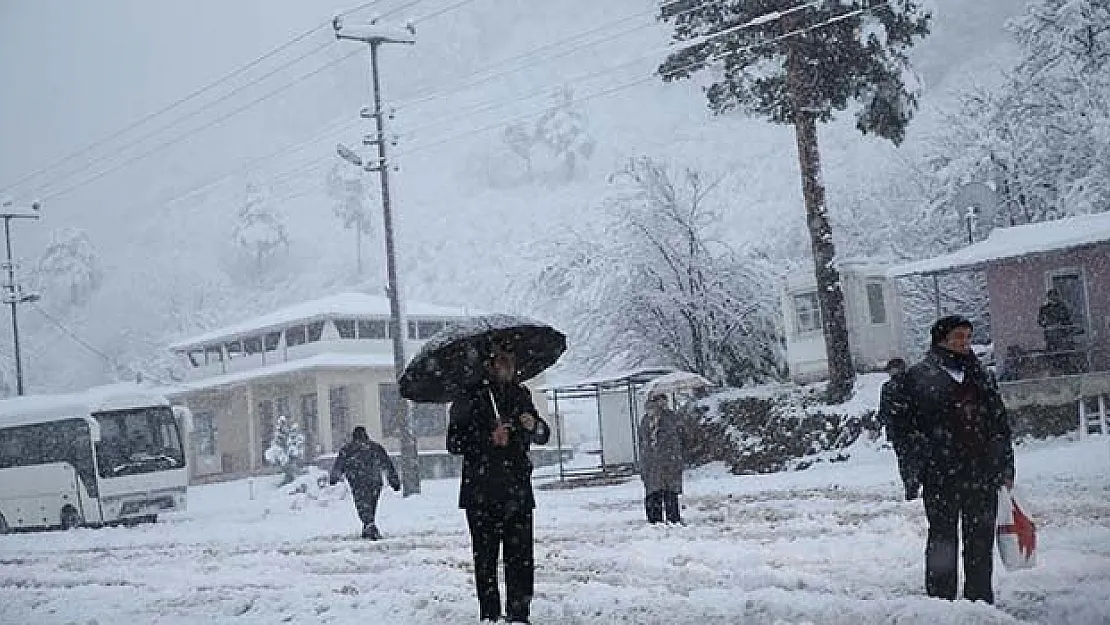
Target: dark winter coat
[(892, 411), (493, 475), (363, 462), (662, 435), (957, 432)]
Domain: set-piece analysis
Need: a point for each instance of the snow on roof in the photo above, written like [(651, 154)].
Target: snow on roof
[(635, 376), (1015, 241), (340, 305), (35, 408), (319, 361)]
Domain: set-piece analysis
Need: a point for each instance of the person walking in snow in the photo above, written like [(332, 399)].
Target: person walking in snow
[(363, 461), (892, 416), (959, 443), (661, 439), (492, 427)]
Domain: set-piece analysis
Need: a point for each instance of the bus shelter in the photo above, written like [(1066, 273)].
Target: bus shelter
[(618, 406)]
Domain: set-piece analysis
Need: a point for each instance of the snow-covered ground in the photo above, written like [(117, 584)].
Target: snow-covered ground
[(832, 544)]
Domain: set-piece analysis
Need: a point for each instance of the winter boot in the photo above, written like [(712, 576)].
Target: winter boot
[(371, 531)]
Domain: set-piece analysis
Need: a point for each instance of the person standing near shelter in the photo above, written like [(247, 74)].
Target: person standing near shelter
[(362, 461), (959, 442), (492, 427), (892, 416), (661, 439)]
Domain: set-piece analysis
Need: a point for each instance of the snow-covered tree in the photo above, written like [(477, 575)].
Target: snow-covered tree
[(68, 271), (554, 144), (649, 284), (260, 237), (286, 448), (347, 189), (1042, 139), (799, 64)]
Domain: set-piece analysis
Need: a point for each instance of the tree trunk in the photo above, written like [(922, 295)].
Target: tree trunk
[(830, 297)]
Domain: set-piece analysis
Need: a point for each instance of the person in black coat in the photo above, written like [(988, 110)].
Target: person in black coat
[(492, 427), (362, 461), (892, 416), (960, 445)]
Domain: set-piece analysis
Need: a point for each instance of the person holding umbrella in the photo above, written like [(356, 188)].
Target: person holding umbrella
[(478, 366), (662, 434), (492, 427)]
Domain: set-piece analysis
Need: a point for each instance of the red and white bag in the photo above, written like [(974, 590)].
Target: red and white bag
[(1016, 532)]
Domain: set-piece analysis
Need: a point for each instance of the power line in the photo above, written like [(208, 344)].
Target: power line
[(192, 132), (497, 104), (187, 98), (169, 107), (534, 52), (627, 85), (88, 346), (177, 121)]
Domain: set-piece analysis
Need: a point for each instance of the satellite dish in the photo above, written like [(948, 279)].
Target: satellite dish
[(977, 202)]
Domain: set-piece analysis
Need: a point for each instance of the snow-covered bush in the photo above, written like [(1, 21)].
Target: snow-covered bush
[(286, 449)]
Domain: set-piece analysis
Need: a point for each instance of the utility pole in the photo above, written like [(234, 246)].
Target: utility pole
[(374, 36), (13, 293)]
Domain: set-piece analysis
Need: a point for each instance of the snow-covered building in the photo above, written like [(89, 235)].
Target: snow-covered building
[(1021, 264), (325, 363), (872, 308)]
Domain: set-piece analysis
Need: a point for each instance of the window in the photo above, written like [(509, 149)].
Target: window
[(253, 345), (807, 316), (212, 355), (294, 335), (66, 441), (204, 433), (345, 328), (138, 440), (373, 329), (1069, 284), (315, 331), (310, 421), (234, 349), (424, 329), (427, 419), (389, 407), (339, 403), (265, 423), (273, 340), (876, 305), (281, 407)]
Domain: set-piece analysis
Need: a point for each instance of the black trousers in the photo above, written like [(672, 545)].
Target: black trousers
[(366, 502), (491, 529), (660, 503), (970, 508)]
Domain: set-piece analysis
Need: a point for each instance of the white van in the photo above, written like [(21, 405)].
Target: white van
[(112, 454)]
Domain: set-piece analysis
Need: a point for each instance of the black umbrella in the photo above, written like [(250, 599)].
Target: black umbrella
[(452, 361)]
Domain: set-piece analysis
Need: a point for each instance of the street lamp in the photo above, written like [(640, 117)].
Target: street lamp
[(374, 35), (14, 294)]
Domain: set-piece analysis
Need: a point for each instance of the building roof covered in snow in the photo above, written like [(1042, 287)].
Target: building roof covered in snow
[(1014, 242), (354, 305)]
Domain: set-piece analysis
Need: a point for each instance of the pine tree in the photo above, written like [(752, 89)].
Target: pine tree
[(798, 64), (286, 449)]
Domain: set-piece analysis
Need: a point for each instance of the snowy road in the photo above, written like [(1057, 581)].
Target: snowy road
[(828, 545)]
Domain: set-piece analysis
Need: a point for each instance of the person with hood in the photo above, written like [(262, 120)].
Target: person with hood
[(892, 416), (959, 444), (491, 427), (661, 439), (362, 461)]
